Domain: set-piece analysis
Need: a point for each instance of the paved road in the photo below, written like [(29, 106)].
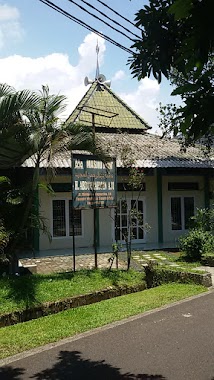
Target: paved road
[(174, 343)]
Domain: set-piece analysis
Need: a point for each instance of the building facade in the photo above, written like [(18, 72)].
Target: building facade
[(174, 183)]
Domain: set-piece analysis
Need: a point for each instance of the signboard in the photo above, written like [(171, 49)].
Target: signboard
[(94, 183)]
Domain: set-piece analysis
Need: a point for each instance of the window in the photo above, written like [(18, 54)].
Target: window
[(59, 223), (182, 209), (62, 219), (136, 208), (172, 186), (77, 221)]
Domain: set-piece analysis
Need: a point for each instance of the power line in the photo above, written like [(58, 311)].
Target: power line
[(109, 18), (98, 18), (82, 23), (118, 14)]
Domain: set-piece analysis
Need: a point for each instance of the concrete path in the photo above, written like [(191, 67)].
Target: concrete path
[(172, 343), (51, 264)]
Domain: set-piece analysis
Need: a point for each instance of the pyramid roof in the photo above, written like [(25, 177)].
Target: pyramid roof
[(108, 111)]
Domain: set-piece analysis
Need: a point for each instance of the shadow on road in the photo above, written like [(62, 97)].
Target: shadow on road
[(8, 372), (71, 366)]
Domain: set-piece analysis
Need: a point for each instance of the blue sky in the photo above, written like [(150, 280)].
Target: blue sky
[(39, 46)]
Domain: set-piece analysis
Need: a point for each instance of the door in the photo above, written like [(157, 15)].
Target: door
[(130, 220)]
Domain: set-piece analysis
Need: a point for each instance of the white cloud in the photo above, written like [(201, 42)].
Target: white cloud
[(55, 70), (120, 74), (8, 13), (144, 100), (10, 28), (62, 77)]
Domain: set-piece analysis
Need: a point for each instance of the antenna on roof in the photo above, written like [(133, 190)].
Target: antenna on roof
[(99, 78), (97, 68)]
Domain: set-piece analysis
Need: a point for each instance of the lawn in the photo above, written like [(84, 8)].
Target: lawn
[(24, 336), (19, 293)]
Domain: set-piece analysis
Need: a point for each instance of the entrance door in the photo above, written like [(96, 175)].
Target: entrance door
[(130, 219)]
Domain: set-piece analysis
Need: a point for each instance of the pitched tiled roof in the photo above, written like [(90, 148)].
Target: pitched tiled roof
[(145, 150), (110, 111), (151, 151)]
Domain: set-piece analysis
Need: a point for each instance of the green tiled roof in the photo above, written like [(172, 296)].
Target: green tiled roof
[(109, 111)]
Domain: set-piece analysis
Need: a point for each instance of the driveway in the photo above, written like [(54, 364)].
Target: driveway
[(171, 343)]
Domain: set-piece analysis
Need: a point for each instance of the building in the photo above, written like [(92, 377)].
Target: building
[(175, 183)]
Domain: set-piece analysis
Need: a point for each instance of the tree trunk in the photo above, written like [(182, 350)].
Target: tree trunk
[(11, 252)]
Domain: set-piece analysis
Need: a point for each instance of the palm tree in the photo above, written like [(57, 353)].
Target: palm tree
[(30, 127), (14, 148)]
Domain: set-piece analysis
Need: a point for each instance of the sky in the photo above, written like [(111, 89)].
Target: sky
[(39, 46)]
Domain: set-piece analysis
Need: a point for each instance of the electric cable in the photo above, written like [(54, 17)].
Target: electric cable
[(109, 18), (82, 23), (98, 18), (118, 14)]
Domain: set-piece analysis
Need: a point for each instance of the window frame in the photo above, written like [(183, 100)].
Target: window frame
[(181, 197), (129, 200), (67, 220)]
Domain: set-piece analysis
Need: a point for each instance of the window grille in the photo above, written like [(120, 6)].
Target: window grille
[(59, 225), (77, 221), (62, 219)]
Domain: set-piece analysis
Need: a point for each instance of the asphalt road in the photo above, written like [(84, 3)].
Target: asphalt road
[(173, 343)]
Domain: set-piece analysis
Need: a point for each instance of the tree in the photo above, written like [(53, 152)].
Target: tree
[(177, 42), (129, 218), (14, 132), (30, 127)]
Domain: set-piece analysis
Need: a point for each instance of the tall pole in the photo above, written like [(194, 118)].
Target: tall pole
[(72, 212), (94, 200)]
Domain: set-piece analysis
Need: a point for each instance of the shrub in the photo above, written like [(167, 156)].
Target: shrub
[(204, 219), (196, 243), (4, 238)]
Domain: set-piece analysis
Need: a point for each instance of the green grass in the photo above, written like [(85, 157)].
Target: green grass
[(19, 293), (24, 336), (171, 258)]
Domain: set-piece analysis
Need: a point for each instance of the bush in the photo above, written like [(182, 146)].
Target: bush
[(196, 243), (204, 219), (4, 238)]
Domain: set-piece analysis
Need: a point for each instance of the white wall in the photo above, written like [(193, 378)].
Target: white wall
[(106, 227), (106, 216)]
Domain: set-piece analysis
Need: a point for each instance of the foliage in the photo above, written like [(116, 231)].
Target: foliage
[(194, 119), (208, 259), (204, 219), (30, 127), (177, 42), (4, 238), (14, 131), (199, 240), (196, 243)]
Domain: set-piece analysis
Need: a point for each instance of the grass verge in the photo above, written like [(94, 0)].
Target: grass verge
[(24, 336), (19, 293)]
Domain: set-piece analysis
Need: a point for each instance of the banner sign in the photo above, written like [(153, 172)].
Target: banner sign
[(94, 183)]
